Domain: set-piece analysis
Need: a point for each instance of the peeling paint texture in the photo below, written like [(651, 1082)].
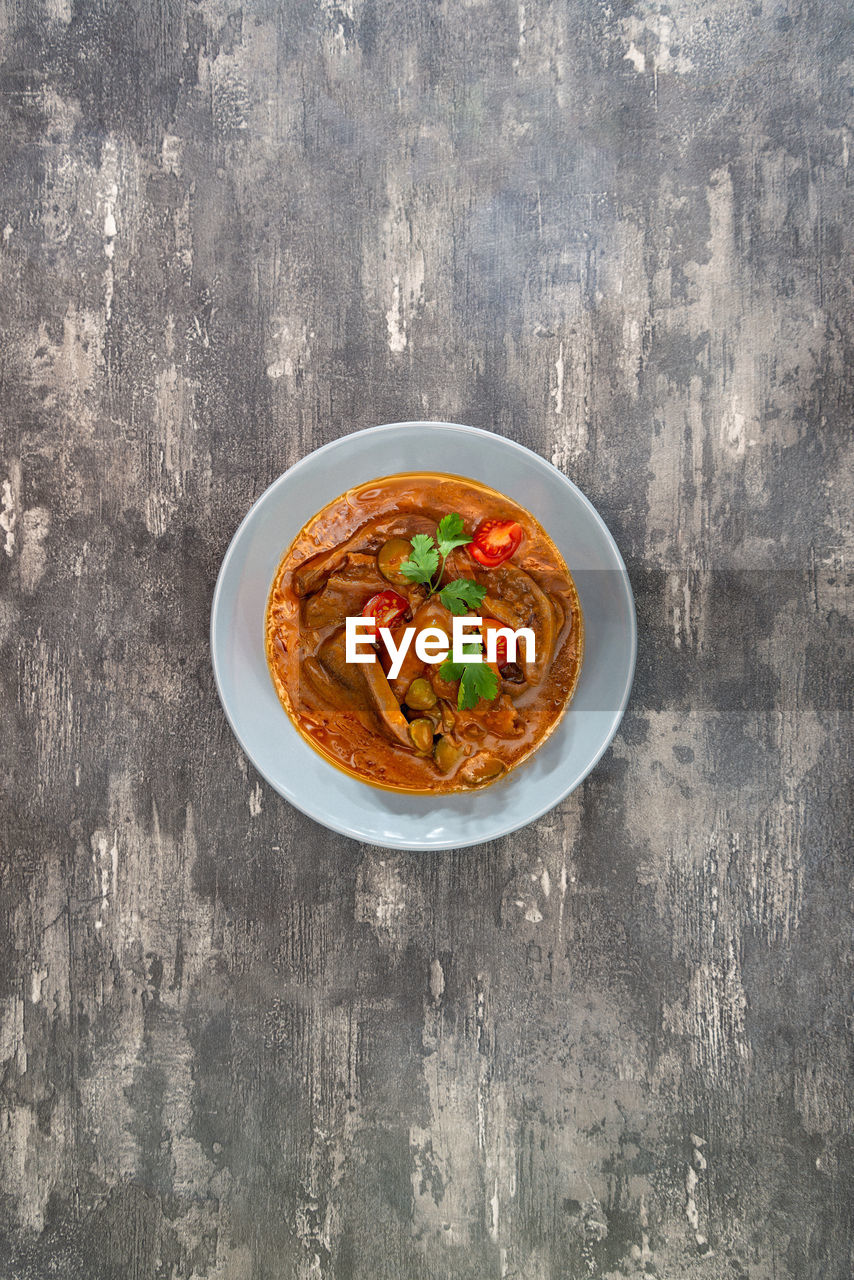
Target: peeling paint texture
[(233, 1045)]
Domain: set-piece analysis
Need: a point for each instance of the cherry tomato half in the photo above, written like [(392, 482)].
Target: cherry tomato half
[(494, 542), (490, 624), (386, 608)]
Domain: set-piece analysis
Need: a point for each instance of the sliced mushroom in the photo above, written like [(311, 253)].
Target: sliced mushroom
[(386, 704), (448, 715), (346, 698), (500, 718), (345, 591), (332, 656), (360, 687), (446, 753), (481, 768), (503, 612), (516, 600), (314, 571), (326, 684), (512, 673)]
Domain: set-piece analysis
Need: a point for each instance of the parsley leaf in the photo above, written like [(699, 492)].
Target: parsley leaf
[(423, 561), (450, 670), (426, 564), (461, 595), (477, 680), (450, 534)]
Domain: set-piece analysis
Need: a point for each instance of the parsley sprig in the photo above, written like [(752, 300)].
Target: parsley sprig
[(426, 564), (477, 680)]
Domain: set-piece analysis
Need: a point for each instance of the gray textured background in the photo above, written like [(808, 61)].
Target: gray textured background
[(234, 1045)]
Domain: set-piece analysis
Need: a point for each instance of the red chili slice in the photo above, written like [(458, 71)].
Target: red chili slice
[(494, 542), (386, 608)]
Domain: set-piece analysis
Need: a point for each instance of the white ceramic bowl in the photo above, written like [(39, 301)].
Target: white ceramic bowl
[(299, 773)]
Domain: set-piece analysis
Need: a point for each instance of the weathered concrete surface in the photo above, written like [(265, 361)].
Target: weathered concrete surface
[(233, 1044)]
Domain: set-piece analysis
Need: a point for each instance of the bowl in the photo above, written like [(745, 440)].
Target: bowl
[(261, 725)]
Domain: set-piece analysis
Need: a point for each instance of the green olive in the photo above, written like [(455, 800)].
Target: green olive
[(446, 753), (391, 556), (420, 695), (421, 733)]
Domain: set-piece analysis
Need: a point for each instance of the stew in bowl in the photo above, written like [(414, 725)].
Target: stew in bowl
[(395, 566)]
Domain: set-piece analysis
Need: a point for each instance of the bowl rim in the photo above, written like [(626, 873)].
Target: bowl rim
[(331, 822)]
